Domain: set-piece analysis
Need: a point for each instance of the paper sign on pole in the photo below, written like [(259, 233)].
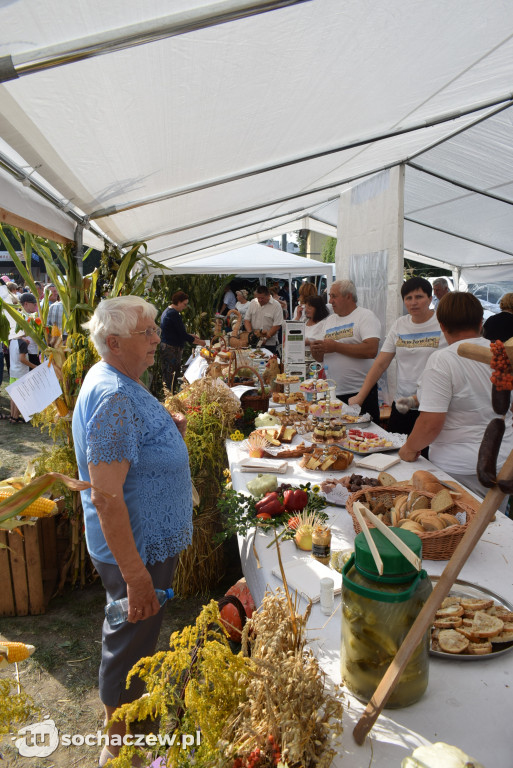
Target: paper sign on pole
[(35, 391)]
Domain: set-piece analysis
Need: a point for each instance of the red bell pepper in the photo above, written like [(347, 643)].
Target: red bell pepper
[(265, 500), (295, 499), (273, 507)]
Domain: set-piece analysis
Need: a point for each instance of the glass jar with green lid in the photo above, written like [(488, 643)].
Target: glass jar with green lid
[(377, 613)]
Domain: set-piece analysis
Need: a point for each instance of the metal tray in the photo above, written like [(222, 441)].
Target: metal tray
[(466, 589)]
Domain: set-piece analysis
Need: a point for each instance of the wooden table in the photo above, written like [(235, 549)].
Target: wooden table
[(467, 702)]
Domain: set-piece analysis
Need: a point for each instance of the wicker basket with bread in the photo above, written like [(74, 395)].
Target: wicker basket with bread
[(424, 507)]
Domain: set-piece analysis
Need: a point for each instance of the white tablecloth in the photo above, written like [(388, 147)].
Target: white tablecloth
[(467, 703)]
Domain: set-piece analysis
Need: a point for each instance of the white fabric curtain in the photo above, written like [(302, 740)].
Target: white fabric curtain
[(370, 249)]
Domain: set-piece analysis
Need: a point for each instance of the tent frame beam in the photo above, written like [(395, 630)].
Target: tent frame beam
[(459, 237), (461, 185), (21, 175), (111, 41), (224, 232), (440, 119)]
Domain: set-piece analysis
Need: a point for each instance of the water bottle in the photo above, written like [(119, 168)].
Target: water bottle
[(117, 611)]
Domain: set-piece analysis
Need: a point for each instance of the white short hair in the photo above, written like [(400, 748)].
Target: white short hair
[(117, 317), (345, 288)]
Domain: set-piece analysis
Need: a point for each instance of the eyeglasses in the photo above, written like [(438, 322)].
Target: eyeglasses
[(149, 332)]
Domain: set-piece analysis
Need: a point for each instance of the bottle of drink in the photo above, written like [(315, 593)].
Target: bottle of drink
[(117, 611)]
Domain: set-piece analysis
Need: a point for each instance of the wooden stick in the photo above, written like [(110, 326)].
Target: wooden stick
[(392, 537), (475, 352), (424, 620), (370, 540)]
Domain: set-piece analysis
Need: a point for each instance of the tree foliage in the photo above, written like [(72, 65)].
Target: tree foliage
[(328, 252)]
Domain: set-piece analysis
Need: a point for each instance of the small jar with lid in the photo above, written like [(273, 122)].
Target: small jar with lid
[(378, 612), (321, 544)]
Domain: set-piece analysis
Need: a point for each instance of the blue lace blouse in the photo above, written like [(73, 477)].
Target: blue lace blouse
[(115, 418)]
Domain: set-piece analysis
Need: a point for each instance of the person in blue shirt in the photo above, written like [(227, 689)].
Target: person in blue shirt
[(138, 514)]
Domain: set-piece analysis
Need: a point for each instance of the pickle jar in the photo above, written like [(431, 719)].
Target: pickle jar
[(377, 614)]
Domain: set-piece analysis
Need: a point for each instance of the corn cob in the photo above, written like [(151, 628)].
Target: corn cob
[(61, 406), (41, 507), (11, 652)]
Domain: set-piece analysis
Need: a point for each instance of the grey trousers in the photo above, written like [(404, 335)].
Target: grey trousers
[(124, 645)]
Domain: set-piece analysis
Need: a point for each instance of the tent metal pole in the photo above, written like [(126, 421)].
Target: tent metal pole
[(372, 139), (233, 229), (460, 184), (21, 175), (456, 132), (460, 237), (78, 248), (28, 62)]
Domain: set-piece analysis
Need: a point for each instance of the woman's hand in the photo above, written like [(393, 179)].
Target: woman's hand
[(142, 600), (355, 400), (181, 422), (406, 454)]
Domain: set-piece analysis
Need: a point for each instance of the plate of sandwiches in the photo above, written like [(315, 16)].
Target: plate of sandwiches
[(278, 435), (472, 623)]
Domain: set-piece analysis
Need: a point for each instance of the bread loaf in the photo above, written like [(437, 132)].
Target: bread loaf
[(423, 480)]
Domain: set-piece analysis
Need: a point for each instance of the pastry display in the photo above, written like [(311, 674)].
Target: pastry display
[(362, 442), (330, 431), (285, 378), (311, 385), (320, 459), (291, 399)]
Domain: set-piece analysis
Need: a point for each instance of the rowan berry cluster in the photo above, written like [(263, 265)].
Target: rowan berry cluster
[(502, 375)]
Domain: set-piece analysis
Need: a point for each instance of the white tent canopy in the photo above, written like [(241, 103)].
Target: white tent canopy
[(253, 260), (212, 132)]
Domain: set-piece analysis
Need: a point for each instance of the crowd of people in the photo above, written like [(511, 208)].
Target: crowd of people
[(21, 354), (138, 513)]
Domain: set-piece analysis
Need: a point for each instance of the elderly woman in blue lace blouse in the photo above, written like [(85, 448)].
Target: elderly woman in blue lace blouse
[(127, 444)]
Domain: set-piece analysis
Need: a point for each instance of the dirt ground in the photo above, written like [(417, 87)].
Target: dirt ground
[(61, 676)]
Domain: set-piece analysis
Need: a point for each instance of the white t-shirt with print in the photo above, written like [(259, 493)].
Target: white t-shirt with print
[(263, 318), (349, 372), (462, 389), (413, 344)]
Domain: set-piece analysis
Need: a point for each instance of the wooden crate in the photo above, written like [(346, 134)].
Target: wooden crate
[(28, 568)]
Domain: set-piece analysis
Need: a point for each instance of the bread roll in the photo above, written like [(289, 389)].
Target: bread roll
[(425, 481)]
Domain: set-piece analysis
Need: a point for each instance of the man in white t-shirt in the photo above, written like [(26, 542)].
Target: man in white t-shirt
[(350, 344), (264, 317), (455, 398), (412, 339)]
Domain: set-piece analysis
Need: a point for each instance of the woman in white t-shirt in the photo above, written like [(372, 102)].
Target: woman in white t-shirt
[(242, 304), (306, 290), (411, 340), (456, 398), (314, 310)]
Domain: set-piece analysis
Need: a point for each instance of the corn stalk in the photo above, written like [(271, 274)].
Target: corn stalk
[(72, 360)]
